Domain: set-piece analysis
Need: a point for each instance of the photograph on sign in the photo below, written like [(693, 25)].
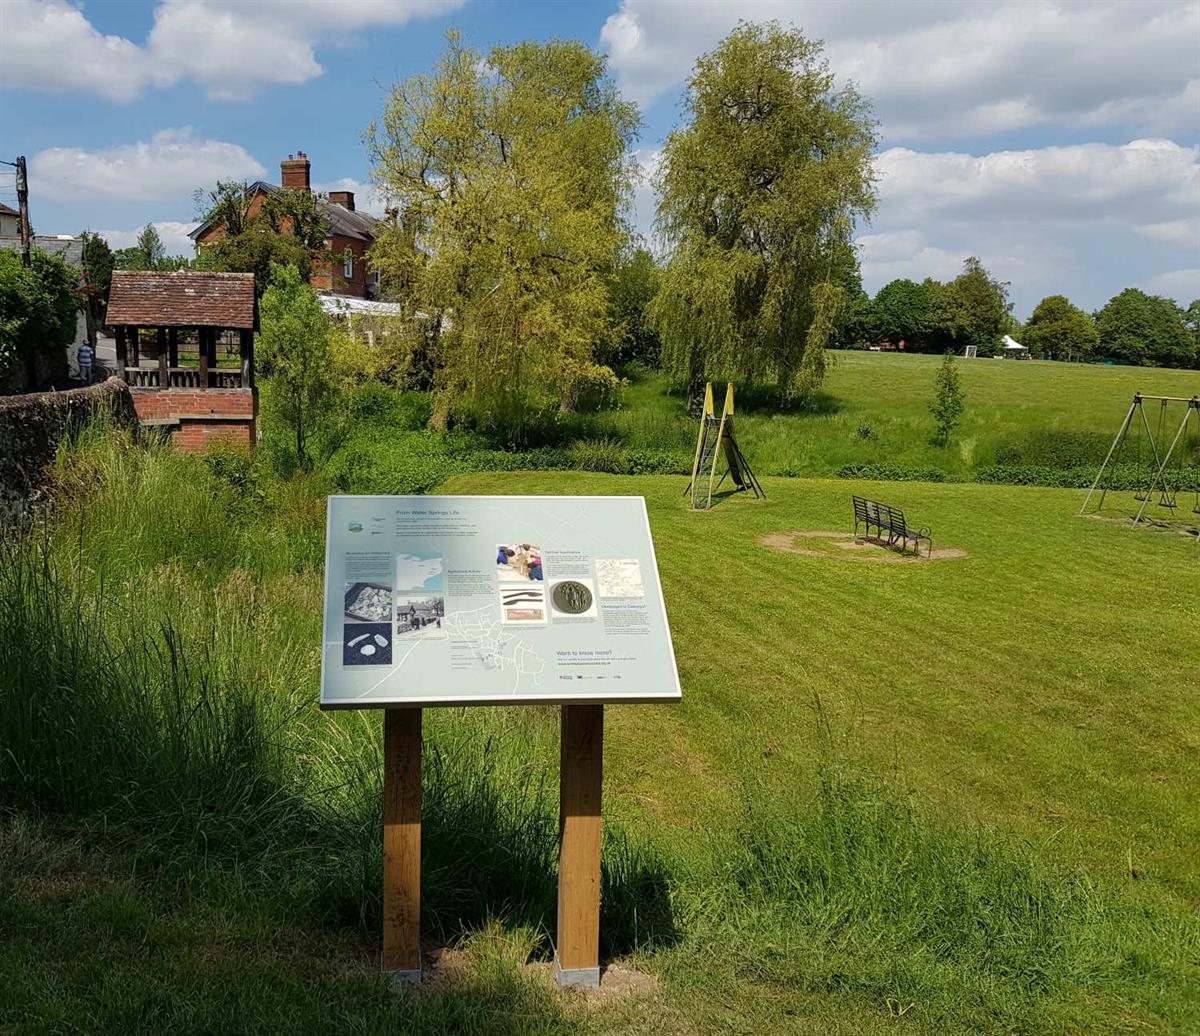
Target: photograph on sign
[(459, 600)]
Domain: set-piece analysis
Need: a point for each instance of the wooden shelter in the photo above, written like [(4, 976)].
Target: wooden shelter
[(178, 303)]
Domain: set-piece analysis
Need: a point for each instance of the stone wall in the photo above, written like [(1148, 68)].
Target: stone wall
[(32, 426)]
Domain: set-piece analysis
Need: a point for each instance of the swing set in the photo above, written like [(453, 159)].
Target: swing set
[(1152, 460)]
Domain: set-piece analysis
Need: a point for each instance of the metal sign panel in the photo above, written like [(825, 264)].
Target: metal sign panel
[(472, 600)]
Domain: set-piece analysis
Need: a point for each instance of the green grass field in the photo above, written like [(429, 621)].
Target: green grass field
[(874, 409), (951, 796)]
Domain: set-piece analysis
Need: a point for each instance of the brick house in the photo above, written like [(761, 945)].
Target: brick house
[(351, 233)]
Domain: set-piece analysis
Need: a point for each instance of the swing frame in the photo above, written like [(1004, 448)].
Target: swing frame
[(1158, 479), (724, 444)]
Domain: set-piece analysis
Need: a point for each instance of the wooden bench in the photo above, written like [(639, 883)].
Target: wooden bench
[(890, 523)]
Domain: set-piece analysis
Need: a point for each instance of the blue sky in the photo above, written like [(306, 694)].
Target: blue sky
[(1059, 142)]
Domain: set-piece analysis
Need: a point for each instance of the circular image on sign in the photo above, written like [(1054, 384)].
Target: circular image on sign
[(571, 598)]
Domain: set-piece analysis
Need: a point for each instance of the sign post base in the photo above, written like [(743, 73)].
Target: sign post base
[(402, 844), (581, 771)]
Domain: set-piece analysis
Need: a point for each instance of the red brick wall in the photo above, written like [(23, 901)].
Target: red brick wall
[(197, 418), (328, 276)]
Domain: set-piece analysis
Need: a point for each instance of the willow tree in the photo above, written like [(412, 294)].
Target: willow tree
[(758, 193), (512, 173)]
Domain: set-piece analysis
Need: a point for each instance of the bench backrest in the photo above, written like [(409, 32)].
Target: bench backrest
[(879, 514)]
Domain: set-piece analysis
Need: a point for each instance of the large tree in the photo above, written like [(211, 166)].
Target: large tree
[(98, 264), (1057, 330), (38, 308), (287, 228), (973, 309), (631, 289), (514, 171), (758, 194), (1145, 329), (903, 309)]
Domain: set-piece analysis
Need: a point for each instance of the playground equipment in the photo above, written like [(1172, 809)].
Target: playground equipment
[(1160, 478), (716, 439)]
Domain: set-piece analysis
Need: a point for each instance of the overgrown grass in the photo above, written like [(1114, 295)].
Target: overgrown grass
[(1028, 423), (159, 639)]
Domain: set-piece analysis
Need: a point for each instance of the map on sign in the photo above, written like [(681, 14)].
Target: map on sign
[(460, 600)]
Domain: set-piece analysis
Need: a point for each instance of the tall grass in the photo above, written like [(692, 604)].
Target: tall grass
[(159, 638)]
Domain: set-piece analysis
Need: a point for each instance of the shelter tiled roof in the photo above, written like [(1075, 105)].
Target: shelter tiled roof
[(184, 298)]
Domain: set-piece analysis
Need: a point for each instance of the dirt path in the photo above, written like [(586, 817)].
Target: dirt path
[(849, 548)]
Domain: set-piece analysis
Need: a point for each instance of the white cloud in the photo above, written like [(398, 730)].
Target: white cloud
[(174, 237), (645, 200), (1181, 285), (50, 45), (1084, 220), (169, 166), (1150, 180), (229, 47), (936, 69)]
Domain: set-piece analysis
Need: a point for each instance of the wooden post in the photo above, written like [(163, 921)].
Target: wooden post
[(246, 343), (402, 843), (135, 340), (122, 352), (581, 762), (202, 343), (173, 346), (164, 380)]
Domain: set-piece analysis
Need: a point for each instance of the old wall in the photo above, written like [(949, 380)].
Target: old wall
[(32, 426)]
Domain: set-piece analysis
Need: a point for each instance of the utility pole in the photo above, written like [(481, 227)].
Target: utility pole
[(23, 204)]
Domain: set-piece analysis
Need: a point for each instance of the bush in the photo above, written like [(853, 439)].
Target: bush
[(1121, 477), (891, 473), (1055, 449)]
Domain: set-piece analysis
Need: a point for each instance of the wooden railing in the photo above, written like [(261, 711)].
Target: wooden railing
[(183, 377)]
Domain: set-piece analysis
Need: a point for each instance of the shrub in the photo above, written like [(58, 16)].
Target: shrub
[(1055, 449), (1120, 477), (891, 473)]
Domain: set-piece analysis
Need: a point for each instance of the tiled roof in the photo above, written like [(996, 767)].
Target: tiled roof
[(349, 224), (185, 298), (7, 211), (70, 248)]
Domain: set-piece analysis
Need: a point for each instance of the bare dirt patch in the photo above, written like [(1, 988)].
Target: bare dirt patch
[(819, 543), (446, 966)]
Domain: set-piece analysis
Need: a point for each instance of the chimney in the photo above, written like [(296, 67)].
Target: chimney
[(343, 198), (294, 172)]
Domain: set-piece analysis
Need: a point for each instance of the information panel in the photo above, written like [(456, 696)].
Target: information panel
[(461, 600)]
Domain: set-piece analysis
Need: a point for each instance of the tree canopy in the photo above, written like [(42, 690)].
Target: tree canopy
[(294, 353), (38, 308), (1057, 330), (287, 228), (514, 172), (98, 265), (1148, 330), (903, 310), (758, 194)]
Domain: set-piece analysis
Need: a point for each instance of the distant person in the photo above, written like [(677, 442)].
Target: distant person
[(85, 355)]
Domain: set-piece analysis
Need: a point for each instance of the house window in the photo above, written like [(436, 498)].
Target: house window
[(348, 266)]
